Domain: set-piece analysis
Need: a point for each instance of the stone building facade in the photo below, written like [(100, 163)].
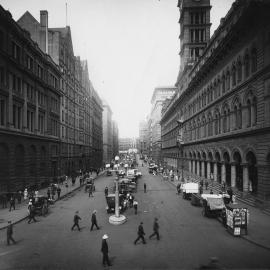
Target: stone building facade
[(160, 94), (220, 115), (76, 102), (115, 139), (143, 138), (30, 98)]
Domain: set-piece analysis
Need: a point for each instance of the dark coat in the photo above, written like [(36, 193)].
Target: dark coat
[(10, 230), (140, 230), (76, 218), (94, 218), (155, 226), (104, 246)]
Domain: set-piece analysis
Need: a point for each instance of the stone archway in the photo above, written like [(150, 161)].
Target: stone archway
[(226, 158), (252, 172), (238, 171), (218, 161)]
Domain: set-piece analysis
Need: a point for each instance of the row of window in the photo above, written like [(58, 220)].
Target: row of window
[(197, 17), (240, 69)]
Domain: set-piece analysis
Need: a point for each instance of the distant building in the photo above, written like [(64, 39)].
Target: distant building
[(220, 115), (143, 138), (107, 133), (160, 95), (30, 100), (127, 143), (115, 139)]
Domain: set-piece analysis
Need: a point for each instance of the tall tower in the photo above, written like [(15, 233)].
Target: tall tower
[(194, 29)]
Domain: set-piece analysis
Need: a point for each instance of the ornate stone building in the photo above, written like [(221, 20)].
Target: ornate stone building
[(220, 114), (29, 110)]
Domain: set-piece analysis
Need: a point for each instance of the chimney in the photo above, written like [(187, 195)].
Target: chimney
[(44, 30)]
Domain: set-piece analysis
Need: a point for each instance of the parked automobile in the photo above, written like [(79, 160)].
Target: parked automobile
[(110, 199), (41, 205), (188, 189)]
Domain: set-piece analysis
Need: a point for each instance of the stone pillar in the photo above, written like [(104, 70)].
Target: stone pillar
[(198, 168), (223, 173), (245, 177), (215, 172), (233, 174), (208, 169), (189, 166), (203, 168), (194, 167)]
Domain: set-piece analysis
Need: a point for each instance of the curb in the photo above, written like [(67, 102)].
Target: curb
[(61, 197)]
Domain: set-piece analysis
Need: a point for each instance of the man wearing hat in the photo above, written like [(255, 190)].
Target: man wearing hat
[(9, 233), (94, 220), (105, 250), (76, 221), (140, 234), (155, 229)]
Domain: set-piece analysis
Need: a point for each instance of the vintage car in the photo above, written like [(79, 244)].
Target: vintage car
[(109, 172), (41, 205), (111, 203), (127, 185), (121, 174), (189, 189)]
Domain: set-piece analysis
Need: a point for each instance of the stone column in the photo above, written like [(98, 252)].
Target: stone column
[(36, 112), (208, 169), (233, 174), (245, 177), (198, 167), (189, 166), (253, 113), (194, 167), (223, 173), (203, 168), (215, 172)]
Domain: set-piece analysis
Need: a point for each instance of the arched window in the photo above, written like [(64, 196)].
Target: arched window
[(239, 71), (248, 113), (211, 92), (233, 75), (254, 60), (228, 121), (210, 128), (224, 121), (254, 111), (223, 84), (247, 67), (228, 80), (235, 111), (239, 116)]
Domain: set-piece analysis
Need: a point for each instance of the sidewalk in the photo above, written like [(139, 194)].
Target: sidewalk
[(258, 227), (21, 212)]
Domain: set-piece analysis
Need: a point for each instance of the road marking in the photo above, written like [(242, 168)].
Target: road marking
[(11, 251)]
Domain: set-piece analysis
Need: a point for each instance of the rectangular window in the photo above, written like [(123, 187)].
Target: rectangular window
[(16, 51), (2, 111), (41, 123), (14, 82), (30, 63), (40, 72)]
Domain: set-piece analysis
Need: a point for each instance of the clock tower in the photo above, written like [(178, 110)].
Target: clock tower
[(194, 29)]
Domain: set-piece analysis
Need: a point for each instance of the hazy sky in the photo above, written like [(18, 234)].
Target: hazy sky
[(131, 46)]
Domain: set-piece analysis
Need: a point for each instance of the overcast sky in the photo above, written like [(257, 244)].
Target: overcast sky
[(131, 46)]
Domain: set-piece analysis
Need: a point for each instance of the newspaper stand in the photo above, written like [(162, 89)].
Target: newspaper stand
[(237, 219)]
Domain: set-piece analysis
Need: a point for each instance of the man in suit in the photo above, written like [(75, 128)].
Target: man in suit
[(94, 220), (141, 234), (76, 221), (155, 229), (105, 250), (9, 233)]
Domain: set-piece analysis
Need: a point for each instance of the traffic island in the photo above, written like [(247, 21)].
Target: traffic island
[(117, 220)]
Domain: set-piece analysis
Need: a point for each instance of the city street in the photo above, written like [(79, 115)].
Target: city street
[(187, 238)]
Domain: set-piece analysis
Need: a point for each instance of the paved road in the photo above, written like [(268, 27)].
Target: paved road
[(187, 238)]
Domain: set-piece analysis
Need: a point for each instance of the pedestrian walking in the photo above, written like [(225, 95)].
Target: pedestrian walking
[(90, 190), (58, 192), (10, 233), (106, 191), (12, 203), (94, 220), (144, 187), (141, 234), (135, 205), (32, 213), (105, 251), (206, 184), (178, 187), (76, 221), (155, 229), (25, 194)]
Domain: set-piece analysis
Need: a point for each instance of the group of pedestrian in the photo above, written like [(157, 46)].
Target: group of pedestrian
[(141, 232), (77, 218)]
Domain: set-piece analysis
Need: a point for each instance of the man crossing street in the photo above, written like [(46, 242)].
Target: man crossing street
[(155, 229), (76, 221), (141, 234), (9, 233), (94, 220)]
